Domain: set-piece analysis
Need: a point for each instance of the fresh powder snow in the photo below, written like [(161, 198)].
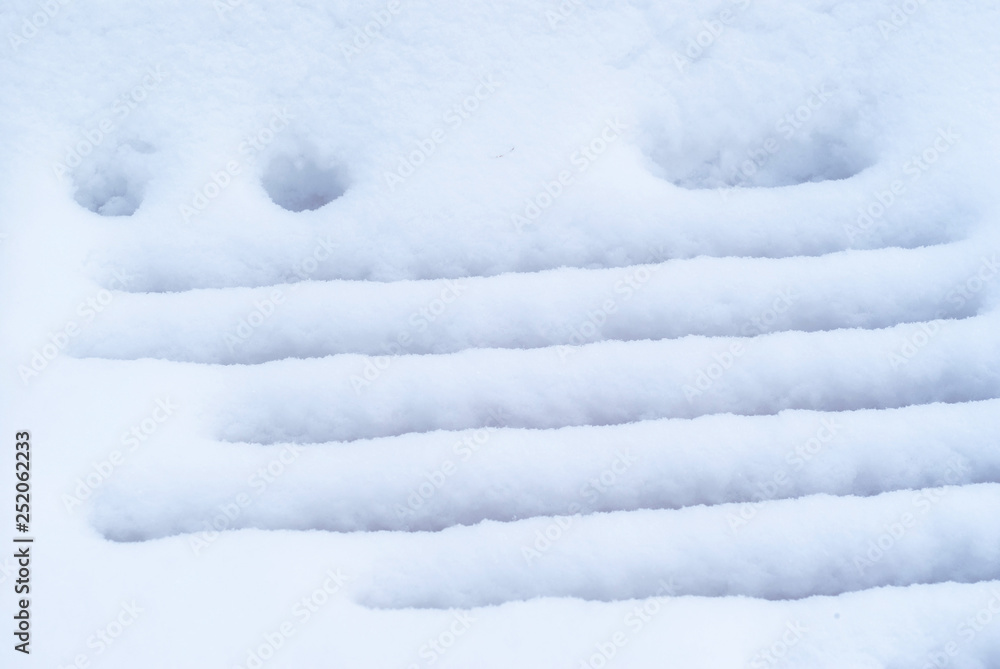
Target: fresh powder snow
[(525, 334)]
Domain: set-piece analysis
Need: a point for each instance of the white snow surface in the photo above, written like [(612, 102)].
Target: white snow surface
[(539, 334)]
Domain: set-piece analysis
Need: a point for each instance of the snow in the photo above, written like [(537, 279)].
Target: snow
[(565, 334)]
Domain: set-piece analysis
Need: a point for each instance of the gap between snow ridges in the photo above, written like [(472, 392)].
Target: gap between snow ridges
[(436, 480), (340, 399), (745, 297)]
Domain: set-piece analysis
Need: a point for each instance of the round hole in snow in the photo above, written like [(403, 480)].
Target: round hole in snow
[(768, 163), (759, 148), (112, 183), (298, 183)]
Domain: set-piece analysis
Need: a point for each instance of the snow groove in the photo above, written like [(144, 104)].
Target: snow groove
[(717, 400), (440, 479), (740, 223), (634, 334), (342, 398), (557, 307), (817, 545), (535, 438)]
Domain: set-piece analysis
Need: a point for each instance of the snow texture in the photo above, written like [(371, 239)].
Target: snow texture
[(583, 334)]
